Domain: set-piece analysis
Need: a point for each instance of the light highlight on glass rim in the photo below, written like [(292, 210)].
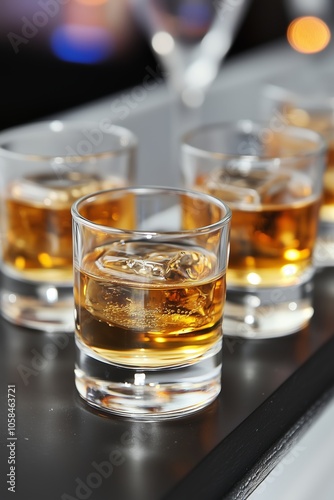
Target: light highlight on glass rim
[(308, 34), (254, 278)]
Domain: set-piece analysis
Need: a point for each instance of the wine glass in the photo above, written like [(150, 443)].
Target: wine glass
[(190, 38)]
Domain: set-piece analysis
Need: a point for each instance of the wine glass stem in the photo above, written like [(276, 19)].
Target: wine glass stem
[(184, 118)]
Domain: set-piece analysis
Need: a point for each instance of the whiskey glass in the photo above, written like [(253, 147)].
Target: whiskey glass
[(149, 287), (44, 168), (272, 181), (308, 102)]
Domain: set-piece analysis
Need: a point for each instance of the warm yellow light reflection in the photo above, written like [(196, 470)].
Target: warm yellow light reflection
[(292, 254), (20, 262), (308, 34), (45, 260), (160, 340)]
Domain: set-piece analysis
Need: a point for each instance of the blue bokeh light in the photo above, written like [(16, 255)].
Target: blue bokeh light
[(195, 15), (82, 44)]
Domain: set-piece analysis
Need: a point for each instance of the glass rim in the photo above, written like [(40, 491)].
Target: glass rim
[(223, 221), (281, 93), (64, 126), (299, 133)]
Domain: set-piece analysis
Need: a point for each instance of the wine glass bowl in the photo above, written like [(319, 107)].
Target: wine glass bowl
[(190, 38)]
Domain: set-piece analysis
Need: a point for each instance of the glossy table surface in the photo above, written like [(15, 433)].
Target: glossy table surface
[(272, 390)]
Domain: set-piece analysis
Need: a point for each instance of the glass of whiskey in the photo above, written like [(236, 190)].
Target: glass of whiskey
[(272, 181), (149, 288), (45, 167), (307, 100)]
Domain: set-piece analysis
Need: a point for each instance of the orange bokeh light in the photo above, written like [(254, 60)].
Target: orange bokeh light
[(93, 3), (308, 34)]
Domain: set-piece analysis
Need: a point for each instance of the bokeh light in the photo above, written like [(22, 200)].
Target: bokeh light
[(163, 43), (92, 2), (308, 34), (81, 44)]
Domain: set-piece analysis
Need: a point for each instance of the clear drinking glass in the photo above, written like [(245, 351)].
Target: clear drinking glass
[(308, 102), (44, 168), (272, 181), (150, 266)]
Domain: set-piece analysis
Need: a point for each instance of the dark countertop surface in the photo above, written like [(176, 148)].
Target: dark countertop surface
[(271, 391)]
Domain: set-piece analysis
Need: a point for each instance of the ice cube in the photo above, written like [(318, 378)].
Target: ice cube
[(186, 264), (153, 261), (177, 297), (232, 187), (275, 185), (251, 187), (53, 191)]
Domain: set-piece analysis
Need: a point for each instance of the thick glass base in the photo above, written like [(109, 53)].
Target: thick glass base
[(41, 306), (148, 394), (267, 312)]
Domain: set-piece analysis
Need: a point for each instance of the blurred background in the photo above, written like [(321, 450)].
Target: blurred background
[(58, 54)]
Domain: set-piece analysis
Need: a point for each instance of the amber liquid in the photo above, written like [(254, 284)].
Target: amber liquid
[(271, 243), (320, 123), (39, 224), (159, 306), (327, 206)]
